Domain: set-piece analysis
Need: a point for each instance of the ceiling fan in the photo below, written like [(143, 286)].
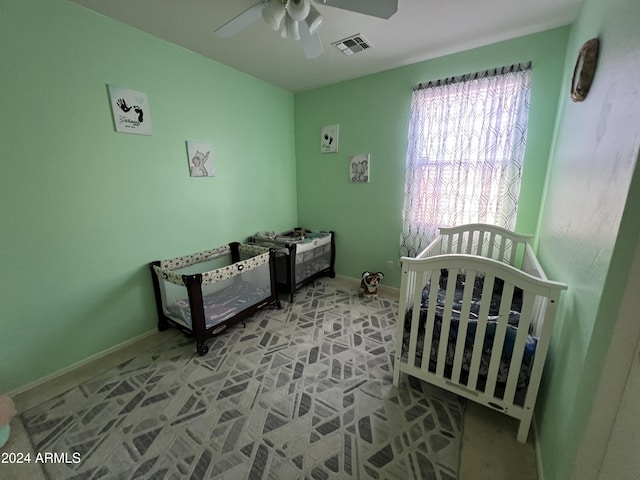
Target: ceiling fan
[(300, 20)]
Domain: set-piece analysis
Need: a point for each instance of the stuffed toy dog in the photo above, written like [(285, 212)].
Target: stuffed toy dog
[(370, 282), (298, 233)]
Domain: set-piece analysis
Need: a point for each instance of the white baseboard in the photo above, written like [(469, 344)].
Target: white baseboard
[(81, 363)]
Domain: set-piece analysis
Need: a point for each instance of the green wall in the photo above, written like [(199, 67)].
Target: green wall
[(373, 114), (589, 225), (84, 208)]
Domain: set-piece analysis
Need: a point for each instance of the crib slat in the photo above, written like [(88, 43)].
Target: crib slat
[(410, 279), (538, 315), (492, 241), (518, 348), (407, 284), (431, 315), (503, 247), (469, 247), (514, 252), (415, 318), (499, 338), (446, 321), (463, 325), (449, 244), (480, 245), (481, 328), (459, 241)]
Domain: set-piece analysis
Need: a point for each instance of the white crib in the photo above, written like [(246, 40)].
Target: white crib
[(488, 335)]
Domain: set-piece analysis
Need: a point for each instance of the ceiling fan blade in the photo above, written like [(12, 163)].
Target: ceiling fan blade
[(241, 21), (310, 43), (374, 8)]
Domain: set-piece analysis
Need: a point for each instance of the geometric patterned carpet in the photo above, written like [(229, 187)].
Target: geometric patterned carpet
[(300, 393)]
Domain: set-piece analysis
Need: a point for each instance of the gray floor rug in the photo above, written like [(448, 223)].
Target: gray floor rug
[(300, 393)]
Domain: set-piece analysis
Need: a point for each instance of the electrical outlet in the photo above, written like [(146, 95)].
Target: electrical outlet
[(389, 264)]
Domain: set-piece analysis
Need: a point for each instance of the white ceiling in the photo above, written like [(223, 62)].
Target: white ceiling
[(421, 29)]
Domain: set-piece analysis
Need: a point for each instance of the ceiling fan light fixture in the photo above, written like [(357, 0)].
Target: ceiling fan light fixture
[(290, 29), (298, 9), (273, 14), (313, 20)]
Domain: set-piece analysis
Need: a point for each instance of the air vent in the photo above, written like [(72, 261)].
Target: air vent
[(353, 44)]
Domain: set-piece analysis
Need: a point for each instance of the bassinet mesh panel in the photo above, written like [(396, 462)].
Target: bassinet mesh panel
[(237, 286), (312, 261), (300, 259), (226, 298), (308, 261)]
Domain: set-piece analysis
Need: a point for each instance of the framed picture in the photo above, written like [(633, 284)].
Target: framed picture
[(329, 139), (130, 110), (200, 158), (359, 168)]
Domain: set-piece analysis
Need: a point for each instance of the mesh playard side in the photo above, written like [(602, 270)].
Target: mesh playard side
[(300, 260), (476, 316), (204, 293)]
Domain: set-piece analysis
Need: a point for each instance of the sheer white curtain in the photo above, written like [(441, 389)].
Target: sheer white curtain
[(467, 137)]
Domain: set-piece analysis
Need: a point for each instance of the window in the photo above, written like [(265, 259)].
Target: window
[(467, 138)]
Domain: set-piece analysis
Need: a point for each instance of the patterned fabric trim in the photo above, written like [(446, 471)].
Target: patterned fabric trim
[(181, 262), (168, 275), (252, 249), (234, 269), (260, 256)]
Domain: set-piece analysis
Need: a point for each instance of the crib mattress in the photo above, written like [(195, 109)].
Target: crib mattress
[(221, 305)]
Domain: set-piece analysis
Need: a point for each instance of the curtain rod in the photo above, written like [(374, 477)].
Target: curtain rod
[(492, 72)]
